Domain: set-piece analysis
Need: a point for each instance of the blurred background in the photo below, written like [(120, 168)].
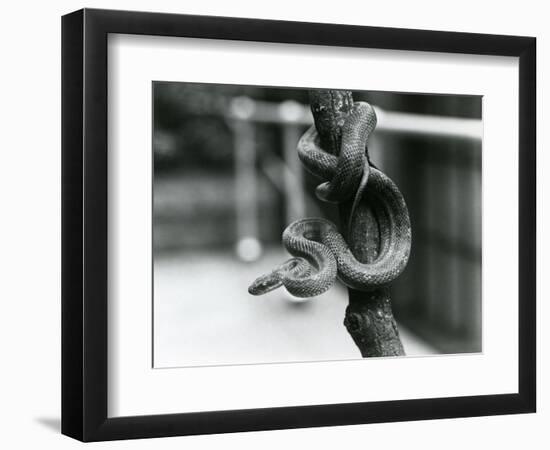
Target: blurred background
[(227, 181)]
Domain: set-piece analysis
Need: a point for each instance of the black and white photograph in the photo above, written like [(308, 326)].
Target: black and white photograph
[(300, 225), (275, 225)]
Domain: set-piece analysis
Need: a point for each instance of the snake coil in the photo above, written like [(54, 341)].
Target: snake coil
[(320, 253)]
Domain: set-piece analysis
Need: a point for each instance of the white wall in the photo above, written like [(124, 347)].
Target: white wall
[(30, 224)]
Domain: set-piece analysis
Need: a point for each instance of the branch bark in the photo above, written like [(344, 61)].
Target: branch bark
[(369, 316)]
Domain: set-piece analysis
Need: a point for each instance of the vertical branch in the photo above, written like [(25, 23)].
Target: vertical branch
[(369, 317)]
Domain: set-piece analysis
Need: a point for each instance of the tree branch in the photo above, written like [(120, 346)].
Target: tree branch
[(369, 317)]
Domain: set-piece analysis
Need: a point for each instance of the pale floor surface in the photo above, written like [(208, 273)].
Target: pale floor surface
[(203, 315)]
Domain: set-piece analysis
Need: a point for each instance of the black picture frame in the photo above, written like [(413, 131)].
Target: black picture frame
[(84, 224)]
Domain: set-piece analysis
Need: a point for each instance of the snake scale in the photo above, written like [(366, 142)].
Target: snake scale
[(320, 252)]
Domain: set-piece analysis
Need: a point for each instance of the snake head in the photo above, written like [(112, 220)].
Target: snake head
[(264, 284)]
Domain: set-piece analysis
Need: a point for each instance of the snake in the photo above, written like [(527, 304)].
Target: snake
[(320, 254)]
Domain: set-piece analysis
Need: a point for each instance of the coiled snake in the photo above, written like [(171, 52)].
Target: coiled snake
[(320, 252)]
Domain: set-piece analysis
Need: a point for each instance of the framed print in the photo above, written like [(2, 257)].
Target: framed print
[(274, 224)]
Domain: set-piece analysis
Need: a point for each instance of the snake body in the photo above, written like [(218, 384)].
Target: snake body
[(320, 252)]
